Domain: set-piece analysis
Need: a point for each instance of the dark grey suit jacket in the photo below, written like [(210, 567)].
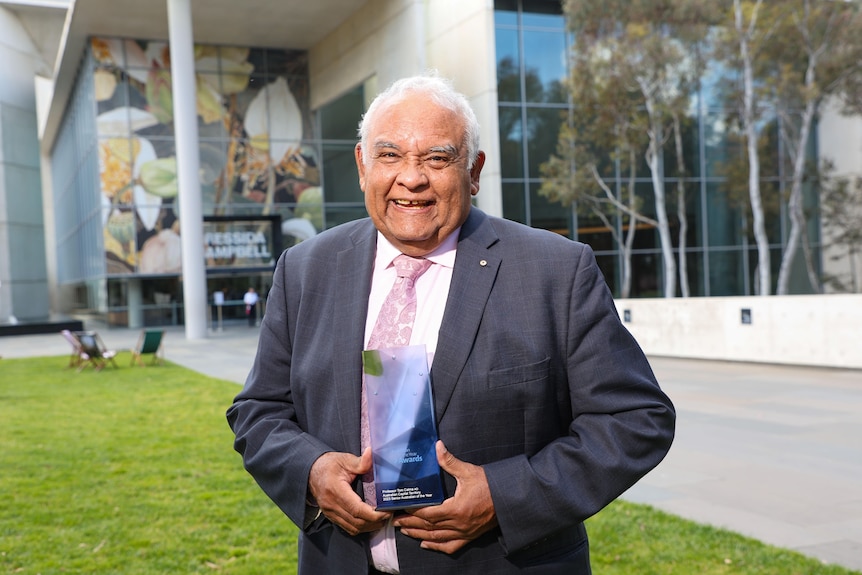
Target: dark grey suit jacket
[(534, 378)]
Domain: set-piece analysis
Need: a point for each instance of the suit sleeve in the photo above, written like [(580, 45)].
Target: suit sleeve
[(274, 449), (622, 425)]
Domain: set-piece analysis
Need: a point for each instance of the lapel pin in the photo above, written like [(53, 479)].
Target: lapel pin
[(483, 263)]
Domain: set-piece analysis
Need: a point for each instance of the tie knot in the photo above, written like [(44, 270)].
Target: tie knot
[(409, 267)]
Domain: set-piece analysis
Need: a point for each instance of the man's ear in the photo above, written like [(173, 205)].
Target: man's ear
[(475, 171), (360, 165)]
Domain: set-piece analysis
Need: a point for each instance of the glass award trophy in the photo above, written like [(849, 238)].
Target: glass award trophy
[(403, 429)]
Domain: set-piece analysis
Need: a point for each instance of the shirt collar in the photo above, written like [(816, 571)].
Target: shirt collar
[(443, 255)]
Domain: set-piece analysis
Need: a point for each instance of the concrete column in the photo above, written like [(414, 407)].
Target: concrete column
[(188, 167), (134, 301)]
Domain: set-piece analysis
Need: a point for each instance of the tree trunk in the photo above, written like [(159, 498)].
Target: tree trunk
[(680, 208), (653, 158), (794, 204), (748, 120), (630, 233)]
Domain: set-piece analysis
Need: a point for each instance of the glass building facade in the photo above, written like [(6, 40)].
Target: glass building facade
[(532, 46), (264, 157), (265, 153)]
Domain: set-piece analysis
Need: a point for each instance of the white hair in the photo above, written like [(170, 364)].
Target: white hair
[(441, 92)]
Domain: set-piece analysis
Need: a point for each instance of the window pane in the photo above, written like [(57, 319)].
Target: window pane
[(514, 206), (694, 261), (543, 13), (506, 12), (339, 119), (548, 215), (508, 66), (724, 224), (543, 129), (694, 234), (511, 143), (594, 232), (646, 271), (340, 178), (726, 273), (342, 214), (545, 58)]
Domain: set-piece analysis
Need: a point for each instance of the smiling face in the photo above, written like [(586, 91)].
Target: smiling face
[(418, 182)]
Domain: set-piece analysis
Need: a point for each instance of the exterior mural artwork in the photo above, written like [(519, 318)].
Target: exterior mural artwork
[(252, 118)]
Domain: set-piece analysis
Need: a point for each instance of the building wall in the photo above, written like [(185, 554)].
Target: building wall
[(387, 40), (792, 330), (839, 139), (23, 279)]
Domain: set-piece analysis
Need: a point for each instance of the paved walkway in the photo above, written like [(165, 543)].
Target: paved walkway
[(768, 451)]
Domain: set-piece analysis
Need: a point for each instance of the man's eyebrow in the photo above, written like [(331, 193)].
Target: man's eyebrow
[(385, 145), (448, 149)]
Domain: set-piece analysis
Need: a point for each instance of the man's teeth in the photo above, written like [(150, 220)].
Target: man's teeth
[(413, 203)]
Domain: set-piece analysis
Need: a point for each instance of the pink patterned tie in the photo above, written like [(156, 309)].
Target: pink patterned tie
[(392, 329)]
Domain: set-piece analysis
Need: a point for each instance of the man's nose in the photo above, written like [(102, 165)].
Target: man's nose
[(412, 174)]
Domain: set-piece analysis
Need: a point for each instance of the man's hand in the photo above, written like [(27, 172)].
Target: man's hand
[(329, 482), (458, 520)]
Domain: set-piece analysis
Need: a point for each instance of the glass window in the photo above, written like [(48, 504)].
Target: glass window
[(506, 12), (514, 205), (548, 215), (694, 261), (646, 275), (726, 273), (724, 222), (340, 178), (508, 66), (543, 13), (341, 214), (511, 142), (340, 118), (542, 134), (545, 61)]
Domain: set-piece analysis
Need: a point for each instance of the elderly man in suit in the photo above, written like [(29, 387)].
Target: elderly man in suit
[(546, 407)]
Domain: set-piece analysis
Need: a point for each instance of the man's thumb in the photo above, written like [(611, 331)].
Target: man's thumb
[(448, 462)]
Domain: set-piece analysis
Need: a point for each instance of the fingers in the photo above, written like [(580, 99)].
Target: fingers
[(330, 482), (448, 462), (365, 462), (461, 518)]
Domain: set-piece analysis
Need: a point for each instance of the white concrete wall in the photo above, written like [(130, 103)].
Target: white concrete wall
[(390, 39), (814, 330), (839, 139)]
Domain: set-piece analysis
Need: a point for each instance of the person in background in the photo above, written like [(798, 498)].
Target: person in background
[(250, 299), (546, 407)]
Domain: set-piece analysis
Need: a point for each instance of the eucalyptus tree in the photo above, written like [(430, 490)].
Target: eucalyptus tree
[(595, 144), (745, 37), (634, 60), (817, 52)]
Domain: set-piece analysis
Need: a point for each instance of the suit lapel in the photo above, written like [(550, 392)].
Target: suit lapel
[(353, 268), (472, 279)]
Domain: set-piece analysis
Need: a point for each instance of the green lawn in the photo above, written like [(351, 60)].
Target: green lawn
[(132, 471)]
